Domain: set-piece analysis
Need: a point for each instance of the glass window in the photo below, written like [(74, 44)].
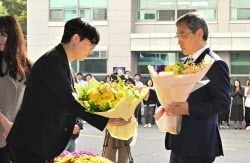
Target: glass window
[(145, 15), (154, 59), (74, 65), (63, 3), (56, 14), (90, 66), (100, 14), (166, 15), (69, 14), (143, 4), (240, 62), (243, 14), (86, 13), (208, 14), (93, 3), (240, 3), (183, 12), (197, 3)]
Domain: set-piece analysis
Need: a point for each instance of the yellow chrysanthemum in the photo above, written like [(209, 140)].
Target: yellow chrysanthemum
[(94, 96), (116, 86), (108, 96), (104, 88), (120, 94)]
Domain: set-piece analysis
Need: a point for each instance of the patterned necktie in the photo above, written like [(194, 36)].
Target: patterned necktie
[(190, 59)]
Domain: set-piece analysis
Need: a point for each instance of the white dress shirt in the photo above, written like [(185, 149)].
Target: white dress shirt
[(81, 83), (247, 101), (138, 83), (198, 53)]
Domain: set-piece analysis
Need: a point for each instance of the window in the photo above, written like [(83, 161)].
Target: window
[(155, 59), (170, 10), (240, 10), (95, 63), (89, 9), (240, 62)]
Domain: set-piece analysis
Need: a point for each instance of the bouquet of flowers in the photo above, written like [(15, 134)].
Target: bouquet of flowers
[(112, 100), (174, 84), (80, 157)]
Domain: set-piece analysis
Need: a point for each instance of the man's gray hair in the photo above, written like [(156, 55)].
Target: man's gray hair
[(194, 22)]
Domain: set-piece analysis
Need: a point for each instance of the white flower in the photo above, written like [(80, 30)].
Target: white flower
[(137, 92), (113, 90)]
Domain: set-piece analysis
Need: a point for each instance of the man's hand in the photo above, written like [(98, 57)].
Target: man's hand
[(76, 129), (178, 108), (7, 126), (118, 121)]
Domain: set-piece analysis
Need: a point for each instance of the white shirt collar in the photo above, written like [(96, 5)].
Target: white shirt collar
[(198, 53)]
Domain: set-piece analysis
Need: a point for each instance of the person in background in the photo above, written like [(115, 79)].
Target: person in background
[(15, 66), (79, 79), (116, 145), (107, 79), (88, 78), (138, 108), (247, 103), (150, 104), (237, 104), (128, 73)]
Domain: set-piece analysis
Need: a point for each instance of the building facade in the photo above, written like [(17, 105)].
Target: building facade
[(137, 33)]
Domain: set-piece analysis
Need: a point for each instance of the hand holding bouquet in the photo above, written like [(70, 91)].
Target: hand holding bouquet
[(112, 100), (174, 84)]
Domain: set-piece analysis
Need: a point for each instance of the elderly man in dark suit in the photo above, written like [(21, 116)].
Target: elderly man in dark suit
[(199, 139), (48, 113)]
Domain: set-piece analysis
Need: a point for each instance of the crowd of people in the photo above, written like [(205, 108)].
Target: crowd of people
[(240, 103)]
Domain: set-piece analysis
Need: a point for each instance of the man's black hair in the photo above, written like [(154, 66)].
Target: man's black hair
[(83, 28)]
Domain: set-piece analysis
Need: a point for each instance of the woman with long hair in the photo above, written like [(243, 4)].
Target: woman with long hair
[(237, 104), (14, 68)]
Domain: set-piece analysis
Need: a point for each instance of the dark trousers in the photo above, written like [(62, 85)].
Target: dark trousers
[(148, 114), (138, 113), (247, 116), (177, 159), (5, 156), (21, 156)]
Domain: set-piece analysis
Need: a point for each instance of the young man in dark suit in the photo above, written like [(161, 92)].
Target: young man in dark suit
[(199, 139), (46, 120)]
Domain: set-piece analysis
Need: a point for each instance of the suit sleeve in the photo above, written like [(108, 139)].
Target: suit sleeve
[(219, 90), (55, 74)]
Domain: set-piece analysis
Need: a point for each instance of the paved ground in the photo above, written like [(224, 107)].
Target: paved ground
[(149, 147)]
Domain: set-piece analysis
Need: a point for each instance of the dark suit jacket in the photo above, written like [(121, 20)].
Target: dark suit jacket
[(199, 135), (237, 96), (48, 113)]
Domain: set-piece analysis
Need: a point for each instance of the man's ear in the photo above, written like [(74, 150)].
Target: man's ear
[(75, 38), (200, 33)]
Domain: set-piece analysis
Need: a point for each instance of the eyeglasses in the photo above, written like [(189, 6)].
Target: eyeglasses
[(181, 37), (93, 45)]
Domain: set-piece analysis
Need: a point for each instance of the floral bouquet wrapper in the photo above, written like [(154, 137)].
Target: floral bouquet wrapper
[(124, 109), (80, 157), (170, 88)]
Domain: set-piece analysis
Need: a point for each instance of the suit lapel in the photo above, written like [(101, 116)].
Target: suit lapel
[(203, 54)]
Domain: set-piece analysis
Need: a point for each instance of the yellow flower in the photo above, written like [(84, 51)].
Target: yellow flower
[(104, 88), (120, 94), (116, 86), (94, 96), (108, 96)]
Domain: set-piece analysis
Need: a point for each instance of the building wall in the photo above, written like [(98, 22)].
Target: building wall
[(123, 37)]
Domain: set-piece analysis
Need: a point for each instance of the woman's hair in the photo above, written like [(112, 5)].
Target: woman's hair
[(14, 53), (248, 82), (107, 78), (151, 81), (235, 86)]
